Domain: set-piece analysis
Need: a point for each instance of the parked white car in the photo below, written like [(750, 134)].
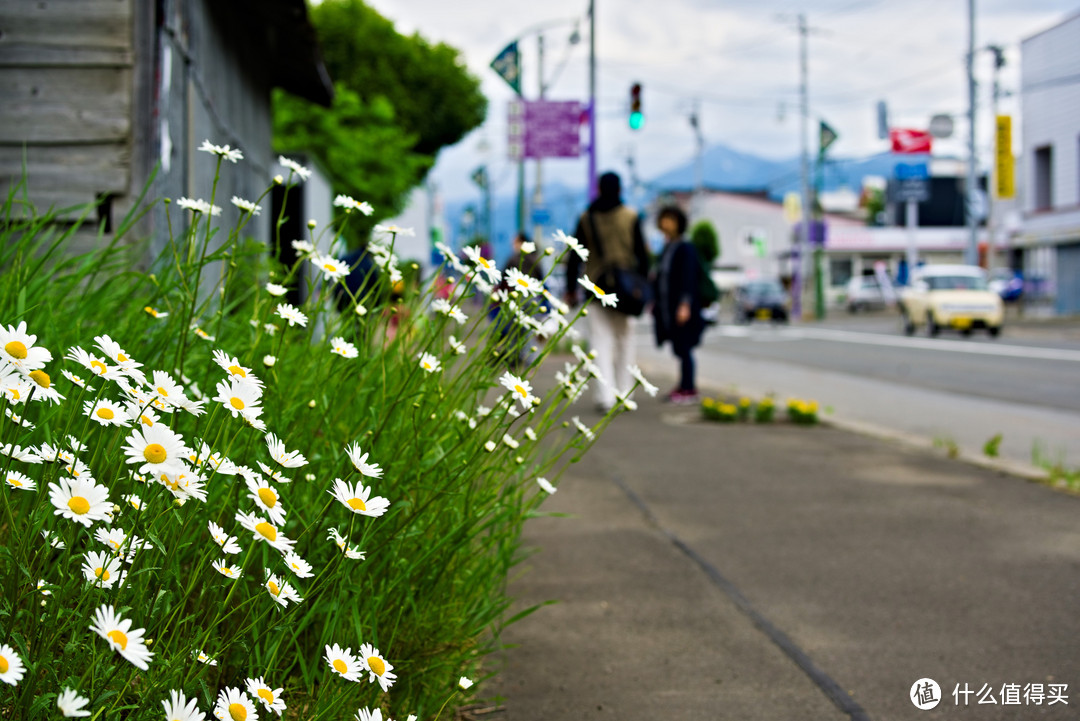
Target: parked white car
[(864, 293), (950, 296)]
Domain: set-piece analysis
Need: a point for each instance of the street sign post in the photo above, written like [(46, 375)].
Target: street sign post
[(912, 188), (545, 129)]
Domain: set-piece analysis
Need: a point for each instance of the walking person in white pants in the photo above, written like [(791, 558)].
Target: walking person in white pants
[(612, 233)]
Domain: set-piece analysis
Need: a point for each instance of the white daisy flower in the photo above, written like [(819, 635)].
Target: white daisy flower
[(14, 479), (80, 500), (26, 455), (349, 204), (231, 365), (158, 449), (457, 346), (222, 151), (179, 708), (343, 348), (17, 348), (465, 683), (360, 463), (571, 242), (288, 459), (280, 590), (267, 499), (202, 657), (270, 697), (77, 380), (342, 543), (232, 703), (441, 305), (530, 433), (11, 666), (357, 499), (360, 310), (276, 290), (341, 661), (377, 666), (203, 334), (294, 168), (607, 299), (117, 631), (583, 429), (96, 365), (71, 704), (394, 230), (227, 569), (303, 248), (101, 568), (545, 484), (522, 283), (365, 714), (291, 314), (429, 363), (262, 530), (296, 564), (269, 361), (198, 205), (332, 269), (520, 389), (510, 441), (274, 473), (128, 365), (155, 313), (239, 398), (106, 412), (484, 265), (490, 446), (640, 378), (228, 543), (246, 205), (53, 540)]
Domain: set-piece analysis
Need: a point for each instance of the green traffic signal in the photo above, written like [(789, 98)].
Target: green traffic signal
[(636, 120)]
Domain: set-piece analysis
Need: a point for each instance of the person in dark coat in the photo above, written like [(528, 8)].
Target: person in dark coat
[(677, 311)]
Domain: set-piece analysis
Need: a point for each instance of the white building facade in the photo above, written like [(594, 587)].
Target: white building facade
[(1049, 241)]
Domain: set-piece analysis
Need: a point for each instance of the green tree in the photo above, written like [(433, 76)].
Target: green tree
[(706, 241), (398, 101)]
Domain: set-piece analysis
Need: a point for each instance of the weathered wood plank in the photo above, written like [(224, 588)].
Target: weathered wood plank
[(93, 169), (29, 55), (58, 105), (56, 200), (86, 23)]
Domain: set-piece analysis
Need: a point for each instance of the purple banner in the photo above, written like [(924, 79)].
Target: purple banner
[(545, 129)]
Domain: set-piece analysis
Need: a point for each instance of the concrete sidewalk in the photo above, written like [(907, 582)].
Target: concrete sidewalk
[(775, 572)]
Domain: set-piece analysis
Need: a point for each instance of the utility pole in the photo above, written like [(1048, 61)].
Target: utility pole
[(538, 191), (971, 253), (991, 224), (802, 239), (592, 101), (699, 161)]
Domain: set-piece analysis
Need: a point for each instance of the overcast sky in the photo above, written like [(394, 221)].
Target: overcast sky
[(740, 60)]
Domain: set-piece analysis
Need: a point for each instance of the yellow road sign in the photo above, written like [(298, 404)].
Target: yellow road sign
[(1004, 165)]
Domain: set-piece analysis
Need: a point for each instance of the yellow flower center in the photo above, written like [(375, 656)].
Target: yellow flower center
[(3, 665), (521, 391), (155, 453), (523, 283), (377, 665), (12, 480), (237, 712), (105, 413), (118, 638), (427, 366), (266, 530), (226, 570), (14, 393), (237, 371), (79, 505), (357, 504), (151, 311), (330, 267), (120, 357), (236, 403), (338, 664), (146, 420), (268, 497), (101, 573), (483, 261), (265, 695), (16, 349), (598, 290), (273, 587), (162, 391), (98, 367), (41, 378)]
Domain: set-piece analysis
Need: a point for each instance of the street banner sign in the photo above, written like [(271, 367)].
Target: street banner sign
[(792, 207), (941, 126), (826, 136), (912, 183), (909, 140), (508, 65), (912, 171), (1004, 165), (545, 129)]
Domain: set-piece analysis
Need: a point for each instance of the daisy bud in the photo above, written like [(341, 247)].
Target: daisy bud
[(269, 361), (584, 311), (432, 416), (312, 223), (279, 180), (533, 349), (43, 603), (592, 354), (168, 200), (519, 460), (548, 251), (311, 403), (489, 446), (309, 476)]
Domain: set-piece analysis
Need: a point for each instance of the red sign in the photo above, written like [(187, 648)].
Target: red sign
[(907, 140)]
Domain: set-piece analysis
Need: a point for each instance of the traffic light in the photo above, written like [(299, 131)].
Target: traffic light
[(636, 118)]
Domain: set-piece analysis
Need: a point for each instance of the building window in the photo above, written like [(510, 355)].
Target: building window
[(839, 271), (1044, 176)]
